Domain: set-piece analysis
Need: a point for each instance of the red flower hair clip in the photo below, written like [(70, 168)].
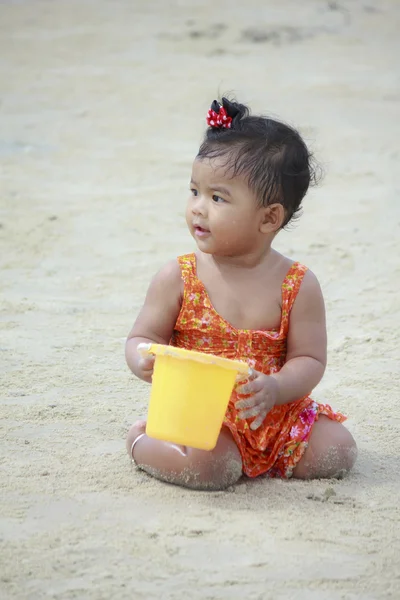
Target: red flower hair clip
[(217, 117)]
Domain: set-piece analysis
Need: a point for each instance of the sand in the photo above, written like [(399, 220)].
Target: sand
[(101, 112)]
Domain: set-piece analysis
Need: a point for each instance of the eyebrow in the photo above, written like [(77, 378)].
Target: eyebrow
[(216, 188), (222, 189)]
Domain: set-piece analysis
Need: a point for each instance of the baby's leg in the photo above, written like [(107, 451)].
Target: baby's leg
[(331, 451), (197, 469)]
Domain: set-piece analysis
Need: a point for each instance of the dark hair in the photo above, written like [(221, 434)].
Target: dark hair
[(271, 155)]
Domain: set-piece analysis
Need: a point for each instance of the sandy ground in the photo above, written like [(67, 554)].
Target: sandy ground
[(101, 111)]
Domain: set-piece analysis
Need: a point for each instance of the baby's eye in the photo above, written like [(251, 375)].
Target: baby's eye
[(193, 191), (218, 199)]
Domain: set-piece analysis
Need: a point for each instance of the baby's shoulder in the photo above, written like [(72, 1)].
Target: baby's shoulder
[(305, 291), (292, 267), (296, 274), (310, 284), (284, 269), (168, 277), (169, 270)]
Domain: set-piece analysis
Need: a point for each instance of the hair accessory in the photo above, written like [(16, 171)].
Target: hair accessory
[(217, 117)]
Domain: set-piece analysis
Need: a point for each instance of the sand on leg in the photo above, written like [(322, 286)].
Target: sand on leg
[(331, 451), (181, 465)]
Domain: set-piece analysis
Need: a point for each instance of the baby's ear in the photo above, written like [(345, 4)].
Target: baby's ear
[(273, 218)]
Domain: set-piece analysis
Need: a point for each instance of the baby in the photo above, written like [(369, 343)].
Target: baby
[(239, 298)]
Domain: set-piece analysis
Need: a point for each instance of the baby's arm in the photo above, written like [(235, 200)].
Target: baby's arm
[(156, 320), (306, 343)]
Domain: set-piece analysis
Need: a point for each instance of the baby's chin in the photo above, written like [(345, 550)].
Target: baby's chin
[(204, 247)]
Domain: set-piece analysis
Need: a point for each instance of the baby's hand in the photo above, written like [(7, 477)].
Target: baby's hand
[(146, 361), (263, 394), (146, 365)]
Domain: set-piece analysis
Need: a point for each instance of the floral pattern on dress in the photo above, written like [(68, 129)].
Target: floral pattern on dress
[(277, 446)]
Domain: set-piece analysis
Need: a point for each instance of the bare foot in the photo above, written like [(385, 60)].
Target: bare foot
[(138, 428)]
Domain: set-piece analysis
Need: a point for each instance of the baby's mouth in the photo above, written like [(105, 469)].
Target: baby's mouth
[(201, 231)]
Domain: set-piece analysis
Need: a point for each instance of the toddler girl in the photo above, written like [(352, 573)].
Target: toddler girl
[(239, 298)]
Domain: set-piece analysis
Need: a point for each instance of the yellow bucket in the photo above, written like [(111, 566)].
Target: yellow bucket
[(189, 395)]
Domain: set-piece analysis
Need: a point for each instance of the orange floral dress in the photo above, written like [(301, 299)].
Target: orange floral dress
[(276, 447)]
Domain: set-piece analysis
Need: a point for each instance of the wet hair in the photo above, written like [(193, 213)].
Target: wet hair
[(270, 155)]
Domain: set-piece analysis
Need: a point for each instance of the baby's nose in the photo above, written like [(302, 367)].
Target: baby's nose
[(199, 207)]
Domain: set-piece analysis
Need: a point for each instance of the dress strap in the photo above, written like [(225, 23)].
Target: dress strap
[(187, 264), (291, 285)]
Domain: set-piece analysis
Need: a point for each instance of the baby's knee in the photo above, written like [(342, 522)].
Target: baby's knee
[(341, 453), (347, 449), (227, 470), (332, 452)]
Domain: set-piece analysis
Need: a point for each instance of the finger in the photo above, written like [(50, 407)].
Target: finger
[(259, 420), (252, 387), (245, 403), (241, 377), (244, 388), (146, 363), (250, 375), (254, 411), (147, 371), (260, 397)]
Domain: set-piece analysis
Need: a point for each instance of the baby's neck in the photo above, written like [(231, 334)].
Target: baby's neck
[(248, 261)]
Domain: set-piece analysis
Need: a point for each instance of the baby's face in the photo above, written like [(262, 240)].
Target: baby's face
[(222, 212)]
